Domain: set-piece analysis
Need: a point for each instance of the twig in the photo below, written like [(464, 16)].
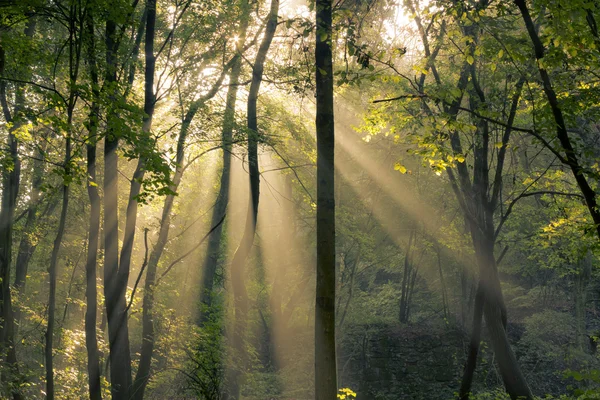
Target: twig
[(192, 249)]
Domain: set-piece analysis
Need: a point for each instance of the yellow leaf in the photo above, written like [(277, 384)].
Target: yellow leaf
[(470, 59), (401, 168)]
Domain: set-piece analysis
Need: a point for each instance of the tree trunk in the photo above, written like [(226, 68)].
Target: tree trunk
[(406, 280), (143, 372), (581, 285), (52, 270), (495, 317), (471, 364), (29, 239), (325, 354), (10, 191), (215, 240), (240, 296), (91, 291), (74, 53), (114, 289), (570, 158)]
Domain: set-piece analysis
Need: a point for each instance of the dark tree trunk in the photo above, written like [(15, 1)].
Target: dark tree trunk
[(114, 288), (238, 264), (91, 292), (48, 350), (406, 280), (10, 191), (325, 354), (30, 237), (74, 57), (471, 364), (216, 239), (570, 158), (442, 282), (495, 317), (143, 372), (28, 242)]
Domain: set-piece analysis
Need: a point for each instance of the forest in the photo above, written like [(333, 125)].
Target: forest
[(299, 199)]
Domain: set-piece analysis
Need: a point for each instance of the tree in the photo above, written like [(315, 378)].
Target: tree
[(325, 354)]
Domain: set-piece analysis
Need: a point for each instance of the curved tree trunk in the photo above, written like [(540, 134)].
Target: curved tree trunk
[(214, 242), (143, 373), (570, 158), (325, 355), (237, 274)]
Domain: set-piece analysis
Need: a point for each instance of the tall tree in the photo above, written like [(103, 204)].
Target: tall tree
[(10, 188), (325, 349), (75, 30), (571, 159), (11, 176), (143, 372), (91, 291), (216, 238), (237, 272), (115, 282)]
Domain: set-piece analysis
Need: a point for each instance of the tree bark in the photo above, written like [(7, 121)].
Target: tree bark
[(325, 349)]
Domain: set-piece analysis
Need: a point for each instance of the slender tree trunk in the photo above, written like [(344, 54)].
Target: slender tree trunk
[(74, 57), (10, 191), (48, 350), (471, 364), (325, 354), (114, 288), (143, 372), (442, 281), (570, 158), (240, 296), (29, 240), (30, 237), (581, 285), (91, 291), (406, 279), (216, 238), (495, 317)]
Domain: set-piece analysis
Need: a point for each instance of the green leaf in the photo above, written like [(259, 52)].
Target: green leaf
[(470, 59)]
